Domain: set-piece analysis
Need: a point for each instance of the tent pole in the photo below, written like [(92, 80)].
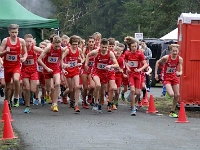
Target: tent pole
[(42, 34), (58, 32)]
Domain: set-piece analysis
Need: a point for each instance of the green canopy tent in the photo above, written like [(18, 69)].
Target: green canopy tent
[(11, 12)]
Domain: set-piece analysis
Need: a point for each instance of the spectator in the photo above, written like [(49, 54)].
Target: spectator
[(148, 55)]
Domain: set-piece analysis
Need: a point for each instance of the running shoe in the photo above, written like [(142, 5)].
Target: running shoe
[(95, 107), (114, 107), (42, 101), (55, 108), (173, 114), (99, 109), (133, 112), (36, 101), (76, 109), (21, 101), (122, 97), (16, 102), (109, 107), (85, 105), (89, 99), (27, 110), (64, 99)]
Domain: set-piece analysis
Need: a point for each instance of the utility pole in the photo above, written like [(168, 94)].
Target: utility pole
[(138, 28)]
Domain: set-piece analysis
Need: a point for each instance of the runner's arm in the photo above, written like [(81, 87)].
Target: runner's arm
[(180, 66), (2, 47), (162, 60), (42, 55), (115, 63), (37, 49), (23, 43)]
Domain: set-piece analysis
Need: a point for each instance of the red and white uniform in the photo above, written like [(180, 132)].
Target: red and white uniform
[(170, 69), (111, 71), (52, 61), (119, 75), (29, 67), (90, 64), (12, 60), (101, 61), (72, 60), (134, 60)]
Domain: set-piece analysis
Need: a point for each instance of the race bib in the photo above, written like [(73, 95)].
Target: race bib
[(101, 66), (91, 63), (11, 57), (40, 68), (52, 59), (133, 63), (72, 64), (170, 70), (29, 62)]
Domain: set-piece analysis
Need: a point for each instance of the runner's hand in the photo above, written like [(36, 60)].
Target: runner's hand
[(49, 70), (178, 74), (22, 59), (156, 77), (86, 67), (8, 49), (65, 66), (108, 67), (79, 64)]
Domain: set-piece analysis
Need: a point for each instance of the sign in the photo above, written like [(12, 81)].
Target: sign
[(139, 36)]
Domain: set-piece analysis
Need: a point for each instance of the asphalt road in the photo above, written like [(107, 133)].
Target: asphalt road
[(46, 130)]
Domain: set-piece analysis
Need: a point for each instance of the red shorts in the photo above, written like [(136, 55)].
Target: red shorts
[(30, 75), (102, 76), (111, 75), (172, 81), (9, 72), (124, 81), (72, 72), (118, 80), (41, 78), (135, 80), (50, 75)]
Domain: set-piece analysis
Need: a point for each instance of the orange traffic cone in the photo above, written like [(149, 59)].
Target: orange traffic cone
[(145, 101), (7, 130), (6, 110), (182, 115), (151, 108)]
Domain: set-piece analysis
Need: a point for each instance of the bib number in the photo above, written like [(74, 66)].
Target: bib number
[(52, 59), (11, 57), (101, 66), (72, 64), (91, 63), (133, 63), (170, 70), (40, 68), (29, 62)]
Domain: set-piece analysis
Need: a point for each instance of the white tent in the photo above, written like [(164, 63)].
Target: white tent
[(173, 35)]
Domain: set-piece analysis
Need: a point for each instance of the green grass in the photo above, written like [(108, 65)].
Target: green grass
[(13, 144)]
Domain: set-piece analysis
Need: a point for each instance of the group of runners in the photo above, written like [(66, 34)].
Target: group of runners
[(67, 66)]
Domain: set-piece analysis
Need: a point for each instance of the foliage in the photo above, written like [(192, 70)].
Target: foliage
[(118, 18)]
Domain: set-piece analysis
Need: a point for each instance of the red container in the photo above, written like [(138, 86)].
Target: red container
[(189, 40)]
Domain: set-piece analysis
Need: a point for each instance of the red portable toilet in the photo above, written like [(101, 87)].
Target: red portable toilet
[(189, 41)]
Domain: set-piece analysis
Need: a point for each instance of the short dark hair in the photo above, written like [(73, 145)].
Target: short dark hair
[(143, 41), (13, 26), (104, 41)]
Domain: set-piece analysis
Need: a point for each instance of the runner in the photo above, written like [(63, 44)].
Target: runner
[(10, 50), (103, 56), (29, 71), (97, 38), (118, 75), (135, 63), (51, 68), (42, 45), (88, 83), (70, 65), (172, 62)]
